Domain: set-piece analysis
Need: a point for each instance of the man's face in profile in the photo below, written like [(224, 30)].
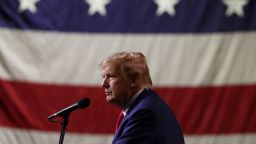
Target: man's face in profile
[(116, 85)]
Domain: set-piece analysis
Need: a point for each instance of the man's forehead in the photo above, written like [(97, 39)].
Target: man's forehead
[(109, 69)]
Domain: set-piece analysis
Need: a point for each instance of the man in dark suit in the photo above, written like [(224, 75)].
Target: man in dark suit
[(145, 118)]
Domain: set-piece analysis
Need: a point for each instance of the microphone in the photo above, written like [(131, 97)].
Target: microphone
[(83, 103)]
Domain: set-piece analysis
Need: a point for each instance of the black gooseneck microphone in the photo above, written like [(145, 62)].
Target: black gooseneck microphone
[(83, 103)]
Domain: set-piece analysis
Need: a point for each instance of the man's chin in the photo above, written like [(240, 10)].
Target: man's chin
[(113, 101), (109, 99)]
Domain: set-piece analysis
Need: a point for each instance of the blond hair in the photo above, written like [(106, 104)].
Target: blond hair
[(132, 64)]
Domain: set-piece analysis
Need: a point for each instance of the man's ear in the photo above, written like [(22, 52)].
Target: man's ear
[(133, 80), (132, 85)]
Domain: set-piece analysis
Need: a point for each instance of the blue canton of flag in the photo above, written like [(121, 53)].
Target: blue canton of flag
[(133, 16)]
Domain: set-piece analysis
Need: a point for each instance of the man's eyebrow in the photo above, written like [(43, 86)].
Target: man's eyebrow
[(109, 73)]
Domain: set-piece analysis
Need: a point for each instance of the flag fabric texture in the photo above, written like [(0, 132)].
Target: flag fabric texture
[(201, 55)]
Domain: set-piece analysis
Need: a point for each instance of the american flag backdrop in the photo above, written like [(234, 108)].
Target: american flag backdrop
[(201, 55)]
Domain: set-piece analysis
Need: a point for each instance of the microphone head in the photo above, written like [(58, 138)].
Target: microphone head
[(83, 103)]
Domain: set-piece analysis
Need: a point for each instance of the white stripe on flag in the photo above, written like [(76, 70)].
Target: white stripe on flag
[(18, 136), (21, 136), (174, 59)]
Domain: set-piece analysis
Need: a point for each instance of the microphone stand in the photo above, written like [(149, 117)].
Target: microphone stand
[(64, 125), (64, 113)]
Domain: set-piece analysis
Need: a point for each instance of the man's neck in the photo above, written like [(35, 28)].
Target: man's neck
[(125, 109)]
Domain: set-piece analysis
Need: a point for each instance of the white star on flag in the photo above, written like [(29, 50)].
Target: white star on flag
[(97, 6), (28, 5), (166, 6), (235, 7)]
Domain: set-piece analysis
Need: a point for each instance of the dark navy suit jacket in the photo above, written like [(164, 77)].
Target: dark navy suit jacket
[(149, 121)]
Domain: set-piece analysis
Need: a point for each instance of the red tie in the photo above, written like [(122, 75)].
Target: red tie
[(119, 120)]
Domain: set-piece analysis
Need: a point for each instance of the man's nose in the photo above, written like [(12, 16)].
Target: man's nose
[(104, 83)]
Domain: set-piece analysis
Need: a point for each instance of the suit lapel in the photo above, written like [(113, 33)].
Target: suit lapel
[(144, 93)]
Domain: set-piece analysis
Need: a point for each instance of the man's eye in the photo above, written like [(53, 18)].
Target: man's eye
[(111, 75), (108, 76)]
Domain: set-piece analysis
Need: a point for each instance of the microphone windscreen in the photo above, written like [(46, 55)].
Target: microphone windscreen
[(83, 103)]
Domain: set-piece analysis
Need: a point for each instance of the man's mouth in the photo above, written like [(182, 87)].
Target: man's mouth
[(107, 93)]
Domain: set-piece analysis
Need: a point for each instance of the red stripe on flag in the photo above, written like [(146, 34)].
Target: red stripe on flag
[(200, 110), (206, 110)]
